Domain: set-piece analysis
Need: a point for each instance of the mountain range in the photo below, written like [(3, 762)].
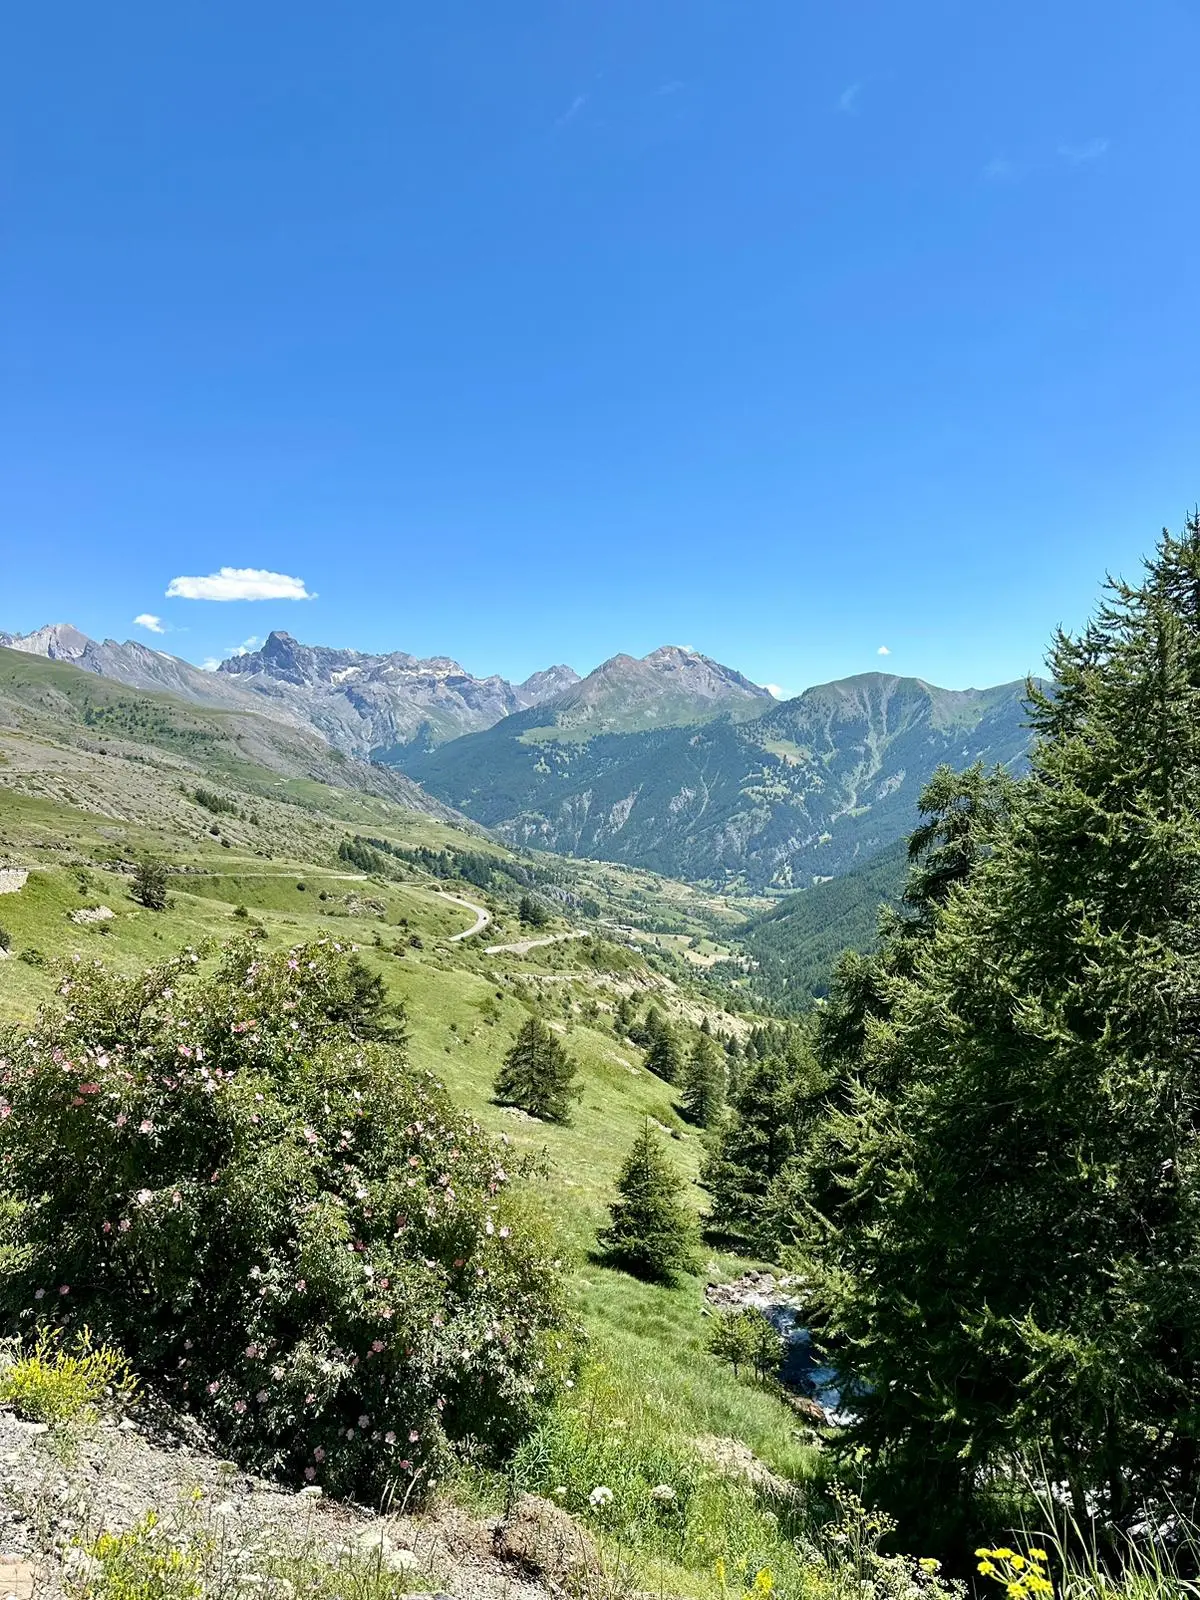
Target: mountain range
[(671, 762), (799, 793), (364, 703), (63, 719), (359, 702)]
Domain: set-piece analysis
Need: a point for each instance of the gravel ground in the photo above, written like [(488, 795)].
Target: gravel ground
[(109, 1480)]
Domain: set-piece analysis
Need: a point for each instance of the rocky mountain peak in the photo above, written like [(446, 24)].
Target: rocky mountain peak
[(540, 686), (670, 686), (57, 641)]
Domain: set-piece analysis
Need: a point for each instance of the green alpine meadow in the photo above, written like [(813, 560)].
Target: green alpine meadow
[(599, 801), (765, 1244)]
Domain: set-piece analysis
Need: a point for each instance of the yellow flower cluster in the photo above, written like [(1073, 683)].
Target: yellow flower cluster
[(1023, 1576), (762, 1587)]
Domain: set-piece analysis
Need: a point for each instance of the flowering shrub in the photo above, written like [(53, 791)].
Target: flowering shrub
[(231, 1177)]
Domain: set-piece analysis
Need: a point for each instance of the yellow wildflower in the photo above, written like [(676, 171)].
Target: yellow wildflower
[(988, 1569), (1038, 1555)]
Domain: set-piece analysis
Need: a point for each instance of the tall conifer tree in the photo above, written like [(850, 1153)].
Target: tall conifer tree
[(653, 1233), (704, 1082), (538, 1074), (1011, 1266)]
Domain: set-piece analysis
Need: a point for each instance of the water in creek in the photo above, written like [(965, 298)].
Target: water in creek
[(802, 1367)]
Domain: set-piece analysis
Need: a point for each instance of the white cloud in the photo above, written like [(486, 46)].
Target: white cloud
[(211, 663), (1077, 154), (239, 583), (848, 99), (773, 688), (1000, 170), (151, 624), (883, 651), (572, 110)]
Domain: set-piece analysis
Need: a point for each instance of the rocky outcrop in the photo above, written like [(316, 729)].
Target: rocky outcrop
[(366, 703)]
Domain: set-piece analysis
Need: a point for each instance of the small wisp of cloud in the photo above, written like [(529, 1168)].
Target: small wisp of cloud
[(212, 663), (150, 623), (1000, 170), (847, 102), (1078, 155), (773, 688), (239, 583), (572, 110), (883, 651)]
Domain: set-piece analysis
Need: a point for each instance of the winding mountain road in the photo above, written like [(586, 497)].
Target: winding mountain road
[(524, 946), (482, 917)]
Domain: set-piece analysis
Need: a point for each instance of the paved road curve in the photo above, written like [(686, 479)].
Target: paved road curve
[(523, 946), (482, 917)]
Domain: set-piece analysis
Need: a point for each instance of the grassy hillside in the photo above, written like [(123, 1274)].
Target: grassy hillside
[(253, 848)]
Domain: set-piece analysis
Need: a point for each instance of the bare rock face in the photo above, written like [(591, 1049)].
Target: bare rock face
[(361, 703), (366, 703), (543, 1539), (57, 641)]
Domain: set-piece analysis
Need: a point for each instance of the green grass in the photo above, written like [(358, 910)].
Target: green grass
[(70, 815)]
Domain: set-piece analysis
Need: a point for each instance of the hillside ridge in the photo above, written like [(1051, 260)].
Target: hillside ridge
[(801, 792)]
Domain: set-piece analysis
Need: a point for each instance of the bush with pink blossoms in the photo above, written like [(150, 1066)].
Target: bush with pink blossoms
[(234, 1175)]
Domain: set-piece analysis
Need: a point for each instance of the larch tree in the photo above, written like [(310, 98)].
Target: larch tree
[(1009, 1272)]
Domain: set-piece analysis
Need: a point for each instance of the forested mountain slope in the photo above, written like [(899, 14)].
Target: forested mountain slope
[(794, 795)]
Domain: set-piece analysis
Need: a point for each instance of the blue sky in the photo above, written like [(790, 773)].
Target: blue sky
[(537, 330)]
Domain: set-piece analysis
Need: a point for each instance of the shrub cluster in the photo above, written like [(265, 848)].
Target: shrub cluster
[(61, 1384), (276, 1219)]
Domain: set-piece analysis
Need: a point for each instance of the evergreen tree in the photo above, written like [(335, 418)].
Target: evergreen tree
[(746, 1170), (538, 1074), (532, 912), (150, 884), (704, 1082), (643, 1033), (1014, 1249), (664, 1056), (653, 1233), (734, 1062), (624, 1016), (961, 814)]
